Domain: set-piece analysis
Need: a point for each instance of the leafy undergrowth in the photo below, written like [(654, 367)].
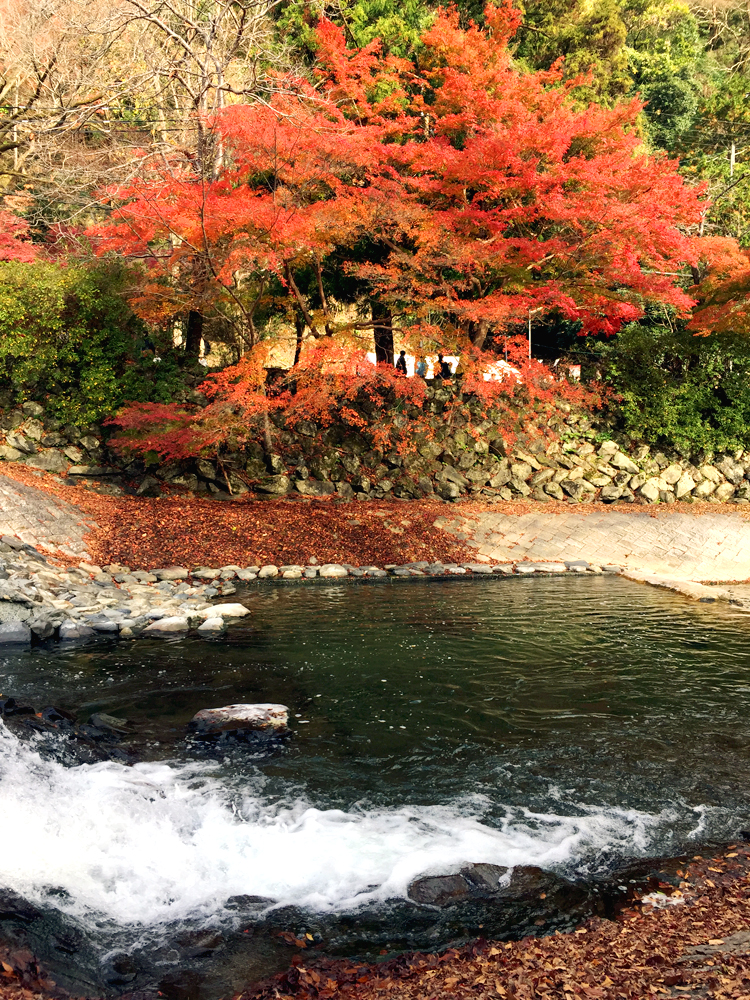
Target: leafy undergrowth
[(700, 948), (145, 533)]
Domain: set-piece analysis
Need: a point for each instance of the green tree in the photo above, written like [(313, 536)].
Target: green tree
[(67, 335)]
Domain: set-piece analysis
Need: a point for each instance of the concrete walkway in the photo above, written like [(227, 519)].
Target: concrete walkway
[(704, 547), (38, 518)]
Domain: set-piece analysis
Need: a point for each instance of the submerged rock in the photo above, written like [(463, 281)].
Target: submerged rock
[(264, 719)]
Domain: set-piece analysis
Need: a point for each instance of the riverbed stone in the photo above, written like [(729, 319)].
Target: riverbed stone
[(263, 717), (215, 624), (70, 630), (224, 611), (167, 626), (268, 572), (14, 633), (332, 571), (171, 573)]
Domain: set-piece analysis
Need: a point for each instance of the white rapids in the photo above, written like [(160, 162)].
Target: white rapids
[(159, 842)]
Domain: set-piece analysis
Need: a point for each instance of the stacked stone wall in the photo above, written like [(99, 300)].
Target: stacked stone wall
[(562, 455)]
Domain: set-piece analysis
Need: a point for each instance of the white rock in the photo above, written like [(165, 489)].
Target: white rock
[(684, 485), (224, 611), (332, 570), (621, 461), (704, 489), (650, 490), (672, 473), (212, 625), (167, 625), (266, 572), (292, 574), (711, 473), (229, 717), (171, 573)]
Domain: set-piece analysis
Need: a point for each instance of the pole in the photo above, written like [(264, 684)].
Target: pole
[(732, 157), (529, 334)]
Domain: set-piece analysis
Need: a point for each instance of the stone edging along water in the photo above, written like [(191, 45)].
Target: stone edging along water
[(40, 601)]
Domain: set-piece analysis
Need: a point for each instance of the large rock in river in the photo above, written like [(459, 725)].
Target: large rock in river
[(262, 719)]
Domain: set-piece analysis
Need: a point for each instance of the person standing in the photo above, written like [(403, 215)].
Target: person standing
[(401, 363), (443, 368), (421, 368)]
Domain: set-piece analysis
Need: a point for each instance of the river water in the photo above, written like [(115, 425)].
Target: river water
[(565, 723)]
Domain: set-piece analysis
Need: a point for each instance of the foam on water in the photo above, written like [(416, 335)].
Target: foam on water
[(158, 842)]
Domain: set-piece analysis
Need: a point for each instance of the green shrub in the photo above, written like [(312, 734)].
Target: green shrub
[(68, 337), (678, 389)]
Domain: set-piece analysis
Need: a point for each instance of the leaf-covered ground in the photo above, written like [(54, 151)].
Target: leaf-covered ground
[(145, 533)]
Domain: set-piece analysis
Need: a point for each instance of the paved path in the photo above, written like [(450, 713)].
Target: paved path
[(695, 547), (38, 518)]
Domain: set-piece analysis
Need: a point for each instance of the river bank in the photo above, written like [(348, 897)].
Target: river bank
[(690, 936)]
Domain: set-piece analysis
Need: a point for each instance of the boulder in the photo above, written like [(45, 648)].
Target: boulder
[(554, 490), (265, 717), (171, 573), (32, 409), (212, 625), (34, 429), (332, 571), (70, 630), (732, 470), (724, 491), (574, 489), (224, 611), (650, 490), (9, 454), (710, 473), (684, 485), (268, 572), (48, 461), (672, 474), (20, 442), (167, 626), (148, 487), (14, 633), (621, 461), (275, 485), (610, 493), (74, 454), (448, 491), (205, 573), (704, 489), (314, 487)]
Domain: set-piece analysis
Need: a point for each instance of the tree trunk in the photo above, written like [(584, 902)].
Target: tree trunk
[(478, 331), (299, 327), (194, 333), (382, 319)]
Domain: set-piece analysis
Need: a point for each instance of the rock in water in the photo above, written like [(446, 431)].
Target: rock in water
[(264, 719), (224, 611), (15, 632)]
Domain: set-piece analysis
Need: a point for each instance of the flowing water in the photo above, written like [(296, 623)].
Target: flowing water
[(564, 723)]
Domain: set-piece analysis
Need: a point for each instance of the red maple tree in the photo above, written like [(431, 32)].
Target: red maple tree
[(455, 197)]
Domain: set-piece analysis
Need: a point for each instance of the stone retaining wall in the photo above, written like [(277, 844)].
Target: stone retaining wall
[(566, 456)]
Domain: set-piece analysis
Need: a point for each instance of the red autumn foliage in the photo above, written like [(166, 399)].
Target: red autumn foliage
[(724, 293), (15, 239), (458, 194)]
